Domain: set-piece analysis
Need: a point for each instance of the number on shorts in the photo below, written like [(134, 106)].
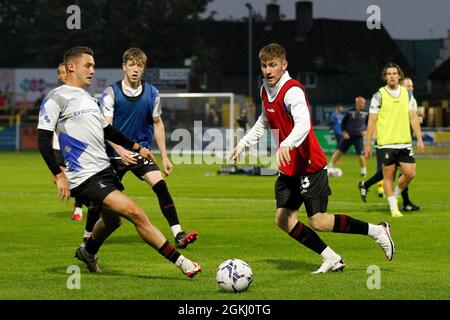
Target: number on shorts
[(305, 182)]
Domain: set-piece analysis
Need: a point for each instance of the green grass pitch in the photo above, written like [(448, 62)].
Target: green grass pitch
[(234, 216)]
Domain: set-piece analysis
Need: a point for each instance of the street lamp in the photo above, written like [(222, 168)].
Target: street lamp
[(250, 46)]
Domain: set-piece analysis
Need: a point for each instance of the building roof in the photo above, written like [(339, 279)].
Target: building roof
[(338, 42), (442, 72), (329, 46), (421, 55)]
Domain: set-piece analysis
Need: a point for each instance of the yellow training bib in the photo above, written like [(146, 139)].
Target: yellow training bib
[(393, 123)]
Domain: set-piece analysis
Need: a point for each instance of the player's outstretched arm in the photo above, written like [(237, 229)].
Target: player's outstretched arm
[(236, 153), (160, 138), (252, 136), (369, 133), (46, 149), (114, 135), (415, 123), (283, 156), (125, 155), (63, 186), (147, 154)]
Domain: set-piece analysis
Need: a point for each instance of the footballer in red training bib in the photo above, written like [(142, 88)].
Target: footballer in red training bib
[(306, 159)]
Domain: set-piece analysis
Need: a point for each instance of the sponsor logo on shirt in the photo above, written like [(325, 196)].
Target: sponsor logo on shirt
[(85, 111)]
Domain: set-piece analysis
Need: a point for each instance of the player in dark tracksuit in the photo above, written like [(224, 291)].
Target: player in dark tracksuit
[(354, 126)]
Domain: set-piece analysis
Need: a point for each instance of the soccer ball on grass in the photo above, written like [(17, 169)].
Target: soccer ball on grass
[(234, 275), (335, 172)]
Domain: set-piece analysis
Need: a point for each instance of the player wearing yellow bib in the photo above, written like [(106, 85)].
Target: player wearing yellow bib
[(392, 112)]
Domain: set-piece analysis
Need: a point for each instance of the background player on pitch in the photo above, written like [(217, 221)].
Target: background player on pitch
[(336, 123), (354, 126), (364, 186), (77, 214), (392, 113)]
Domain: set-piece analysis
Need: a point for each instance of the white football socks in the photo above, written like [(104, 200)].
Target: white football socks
[(87, 234), (364, 171), (175, 229), (392, 203), (179, 261), (329, 254), (374, 230), (397, 191)]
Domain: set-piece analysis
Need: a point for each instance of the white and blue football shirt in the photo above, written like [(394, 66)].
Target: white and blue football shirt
[(78, 122)]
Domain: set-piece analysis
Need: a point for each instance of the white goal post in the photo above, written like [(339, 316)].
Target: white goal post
[(226, 95)]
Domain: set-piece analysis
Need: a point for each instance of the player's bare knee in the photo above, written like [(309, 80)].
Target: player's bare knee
[(281, 221), (135, 214), (315, 225), (318, 222), (282, 224), (410, 174)]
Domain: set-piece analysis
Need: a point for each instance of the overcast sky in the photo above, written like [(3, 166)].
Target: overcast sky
[(403, 19)]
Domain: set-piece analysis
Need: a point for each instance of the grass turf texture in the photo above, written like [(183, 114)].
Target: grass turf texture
[(234, 216)]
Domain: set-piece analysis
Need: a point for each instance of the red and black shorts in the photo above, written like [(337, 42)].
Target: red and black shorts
[(312, 190)]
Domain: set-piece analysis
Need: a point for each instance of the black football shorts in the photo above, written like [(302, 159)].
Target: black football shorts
[(395, 156), (139, 169), (312, 190), (94, 190)]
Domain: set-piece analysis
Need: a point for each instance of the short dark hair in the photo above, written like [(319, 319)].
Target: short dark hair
[(392, 65), (77, 52)]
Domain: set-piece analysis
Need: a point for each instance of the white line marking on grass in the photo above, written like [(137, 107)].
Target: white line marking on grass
[(221, 199)]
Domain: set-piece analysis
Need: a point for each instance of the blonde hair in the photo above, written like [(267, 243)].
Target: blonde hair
[(405, 79), (135, 54), (62, 64), (271, 51)]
